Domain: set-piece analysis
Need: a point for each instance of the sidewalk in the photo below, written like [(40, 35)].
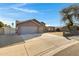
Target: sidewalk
[(16, 50)]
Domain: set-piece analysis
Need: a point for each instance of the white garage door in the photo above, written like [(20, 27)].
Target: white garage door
[(28, 30)]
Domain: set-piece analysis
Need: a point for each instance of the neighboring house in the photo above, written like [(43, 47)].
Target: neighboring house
[(53, 29), (7, 30), (50, 28), (29, 27), (59, 29)]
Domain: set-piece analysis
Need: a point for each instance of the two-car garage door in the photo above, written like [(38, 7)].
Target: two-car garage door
[(28, 30)]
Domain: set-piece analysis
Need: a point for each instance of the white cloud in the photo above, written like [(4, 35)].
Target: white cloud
[(26, 10), (16, 7), (13, 6)]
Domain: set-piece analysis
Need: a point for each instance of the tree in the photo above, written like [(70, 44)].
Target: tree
[(12, 24), (70, 15), (58, 30), (1, 24)]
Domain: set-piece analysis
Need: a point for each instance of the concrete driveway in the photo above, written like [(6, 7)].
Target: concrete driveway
[(70, 51), (45, 44)]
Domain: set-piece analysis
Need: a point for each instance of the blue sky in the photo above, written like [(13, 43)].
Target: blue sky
[(46, 12)]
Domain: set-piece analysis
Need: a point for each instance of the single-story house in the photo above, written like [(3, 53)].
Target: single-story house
[(50, 28), (58, 29), (53, 29), (29, 27)]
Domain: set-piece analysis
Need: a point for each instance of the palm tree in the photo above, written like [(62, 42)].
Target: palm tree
[(70, 15)]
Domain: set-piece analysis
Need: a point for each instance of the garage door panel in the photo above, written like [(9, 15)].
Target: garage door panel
[(28, 30)]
